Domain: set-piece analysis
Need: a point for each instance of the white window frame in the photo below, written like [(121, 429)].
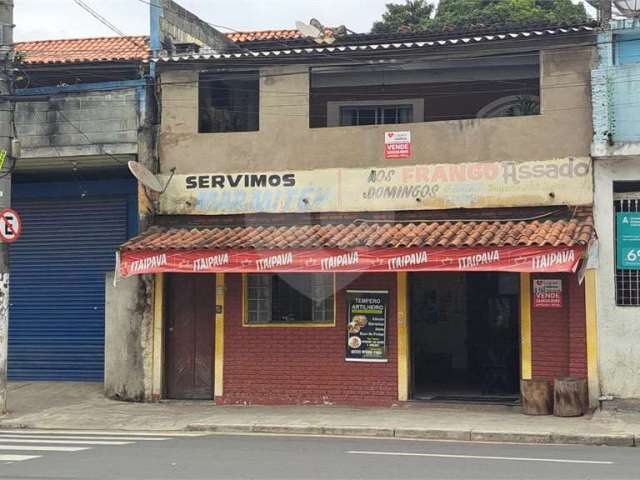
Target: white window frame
[(626, 282), (330, 323), (333, 108)]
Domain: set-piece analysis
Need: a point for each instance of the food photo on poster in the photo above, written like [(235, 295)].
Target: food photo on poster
[(367, 325)]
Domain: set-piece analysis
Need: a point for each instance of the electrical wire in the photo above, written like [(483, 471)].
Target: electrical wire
[(86, 137), (453, 220), (104, 21), (413, 59)]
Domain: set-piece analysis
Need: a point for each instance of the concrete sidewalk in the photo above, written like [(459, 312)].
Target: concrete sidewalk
[(50, 405)]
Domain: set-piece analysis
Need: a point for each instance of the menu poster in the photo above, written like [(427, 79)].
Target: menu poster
[(367, 325)]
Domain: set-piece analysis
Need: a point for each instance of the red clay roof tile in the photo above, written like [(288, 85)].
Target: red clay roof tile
[(101, 49), (563, 232)]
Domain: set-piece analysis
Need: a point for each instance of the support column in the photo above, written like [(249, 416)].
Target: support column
[(218, 380), (592, 336), (404, 374), (7, 125), (158, 337), (525, 326)]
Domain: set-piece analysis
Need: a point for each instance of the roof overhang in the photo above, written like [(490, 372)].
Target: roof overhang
[(348, 48), (534, 245)]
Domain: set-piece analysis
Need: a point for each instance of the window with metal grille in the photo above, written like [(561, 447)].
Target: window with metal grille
[(375, 115), (289, 298), (627, 281)]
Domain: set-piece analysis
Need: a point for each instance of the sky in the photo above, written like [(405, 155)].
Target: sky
[(54, 19)]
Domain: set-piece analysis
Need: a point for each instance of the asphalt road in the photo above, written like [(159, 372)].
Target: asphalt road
[(105, 455)]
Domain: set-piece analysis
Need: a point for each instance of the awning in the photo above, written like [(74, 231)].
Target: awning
[(474, 246)]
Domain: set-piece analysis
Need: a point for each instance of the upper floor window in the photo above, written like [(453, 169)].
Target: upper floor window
[(346, 114), (627, 49), (425, 91), (228, 102)]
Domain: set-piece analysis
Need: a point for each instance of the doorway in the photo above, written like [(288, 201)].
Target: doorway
[(189, 336), (465, 336)]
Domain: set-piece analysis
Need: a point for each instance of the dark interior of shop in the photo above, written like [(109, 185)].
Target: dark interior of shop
[(465, 337)]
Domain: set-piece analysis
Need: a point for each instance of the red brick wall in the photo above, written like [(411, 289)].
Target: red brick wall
[(577, 328), (287, 365), (558, 334)]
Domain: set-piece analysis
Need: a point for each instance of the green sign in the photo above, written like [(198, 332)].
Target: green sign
[(628, 241)]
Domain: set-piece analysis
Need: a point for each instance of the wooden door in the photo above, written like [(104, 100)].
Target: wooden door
[(189, 336)]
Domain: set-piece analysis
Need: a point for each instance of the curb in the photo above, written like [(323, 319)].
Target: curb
[(432, 434), (610, 440)]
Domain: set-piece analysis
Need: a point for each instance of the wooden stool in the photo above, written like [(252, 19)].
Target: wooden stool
[(536, 397), (570, 397)]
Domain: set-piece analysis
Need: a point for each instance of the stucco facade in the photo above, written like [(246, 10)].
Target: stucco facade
[(616, 154), (281, 360), (285, 140), (618, 327)]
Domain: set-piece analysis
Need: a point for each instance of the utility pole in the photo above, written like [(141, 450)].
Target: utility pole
[(605, 13), (6, 166)]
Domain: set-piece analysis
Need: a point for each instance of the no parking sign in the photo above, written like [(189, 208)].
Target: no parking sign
[(10, 225)]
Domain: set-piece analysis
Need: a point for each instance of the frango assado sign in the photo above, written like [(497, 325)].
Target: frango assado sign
[(409, 187)]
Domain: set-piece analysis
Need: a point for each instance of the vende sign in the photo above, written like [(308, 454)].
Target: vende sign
[(547, 293), (397, 145)]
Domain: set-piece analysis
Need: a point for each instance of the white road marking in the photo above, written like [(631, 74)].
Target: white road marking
[(30, 441), (124, 433), (80, 437), (17, 458), (69, 442), (42, 448), (480, 457)]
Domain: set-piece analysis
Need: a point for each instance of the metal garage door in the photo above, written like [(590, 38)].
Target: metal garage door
[(56, 329)]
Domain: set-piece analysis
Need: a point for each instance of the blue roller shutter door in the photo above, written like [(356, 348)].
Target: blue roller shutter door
[(58, 266)]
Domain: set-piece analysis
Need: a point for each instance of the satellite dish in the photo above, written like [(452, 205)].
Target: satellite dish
[(144, 176), (628, 8), (318, 33), (309, 30)]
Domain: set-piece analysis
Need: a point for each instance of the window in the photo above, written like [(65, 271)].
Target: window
[(291, 298), (627, 49), (427, 90), (627, 281), (228, 102), (381, 112), (376, 115)]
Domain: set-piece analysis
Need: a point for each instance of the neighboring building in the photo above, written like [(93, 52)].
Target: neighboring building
[(307, 251), (616, 153), (85, 111)]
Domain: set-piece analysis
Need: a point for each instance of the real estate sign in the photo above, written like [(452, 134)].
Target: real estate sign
[(628, 240), (547, 293), (397, 145)]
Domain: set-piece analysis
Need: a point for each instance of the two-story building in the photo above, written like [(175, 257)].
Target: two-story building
[(616, 155), (389, 217), (84, 109)]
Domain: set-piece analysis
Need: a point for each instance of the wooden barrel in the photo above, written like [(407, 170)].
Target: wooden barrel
[(536, 397), (570, 397)]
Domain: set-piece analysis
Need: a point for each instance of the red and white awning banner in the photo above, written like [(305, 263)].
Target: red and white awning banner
[(480, 259)]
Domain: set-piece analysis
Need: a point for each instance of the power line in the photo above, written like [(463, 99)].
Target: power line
[(99, 17), (104, 21)]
